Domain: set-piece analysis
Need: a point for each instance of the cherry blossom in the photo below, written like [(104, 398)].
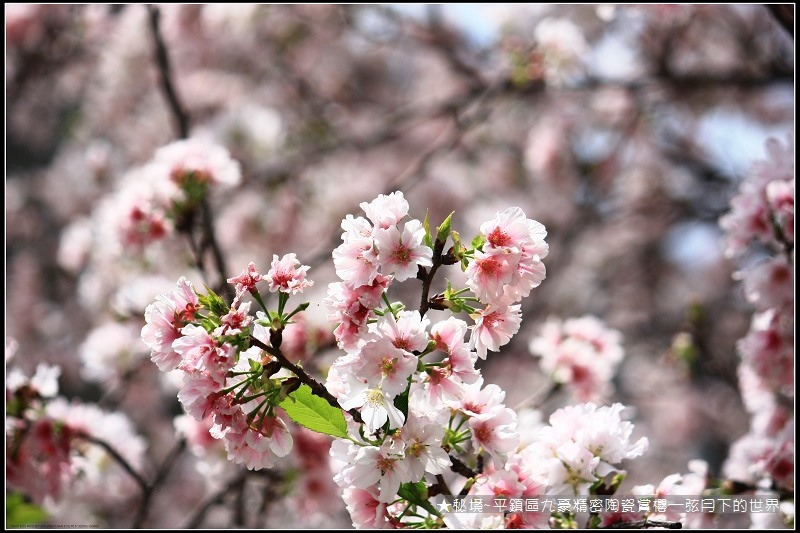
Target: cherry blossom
[(402, 253), (495, 431), (165, 318), (287, 275), (383, 365), (386, 210), (376, 406), (582, 353), (198, 160), (494, 328)]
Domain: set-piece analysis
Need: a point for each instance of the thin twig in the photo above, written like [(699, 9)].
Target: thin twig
[(165, 74), (209, 240), (161, 475), (424, 304), (215, 499), (460, 468), (317, 388), (143, 485)]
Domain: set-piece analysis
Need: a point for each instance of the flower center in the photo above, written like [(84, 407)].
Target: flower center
[(498, 238)]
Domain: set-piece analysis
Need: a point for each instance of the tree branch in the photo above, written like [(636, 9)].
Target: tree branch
[(165, 74), (317, 388), (143, 484), (424, 304), (161, 475), (215, 499)]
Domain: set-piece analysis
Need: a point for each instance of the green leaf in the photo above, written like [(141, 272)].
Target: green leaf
[(427, 226), (213, 302), (444, 230), (401, 402), (314, 413), (478, 241), (417, 493), (21, 513)]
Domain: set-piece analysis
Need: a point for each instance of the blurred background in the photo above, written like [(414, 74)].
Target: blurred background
[(625, 130)]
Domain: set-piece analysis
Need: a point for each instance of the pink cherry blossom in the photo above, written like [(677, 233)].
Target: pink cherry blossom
[(200, 399), (494, 327), (489, 272), (477, 399), (498, 483), (356, 227), (41, 464), (199, 160), (408, 331), (582, 353), (780, 197), (164, 319), (433, 390), (770, 284), (448, 334), (401, 253), (768, 348), (421, 444), (351, 308), (759, 203), (287, 275), (200, 352), (366, 511), (246, 281), (495, 431), (510, 229), (383, 365), (235, 321), (386, 210), (356, 261)]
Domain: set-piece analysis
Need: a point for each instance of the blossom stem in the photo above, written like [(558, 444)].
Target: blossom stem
[(424, 304), (316, 387), (257, 296)]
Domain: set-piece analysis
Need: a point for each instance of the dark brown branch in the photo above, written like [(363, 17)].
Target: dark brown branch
[(460, 468), (143, 485), (317, 388), (161, 475), (784, 14), (216, 499), (440, 487), (210, 241), (181, 118), (148, 489), (424, 304), (165, 74)]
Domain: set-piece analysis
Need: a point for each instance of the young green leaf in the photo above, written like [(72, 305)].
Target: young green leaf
[(314, 413), (426, 239), (417, 493), (443, 231)]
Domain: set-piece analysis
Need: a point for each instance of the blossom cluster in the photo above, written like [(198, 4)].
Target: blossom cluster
[(582, 353), (226, 380), (52, 452), (423, 404), (763, 214), (416, 406)]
